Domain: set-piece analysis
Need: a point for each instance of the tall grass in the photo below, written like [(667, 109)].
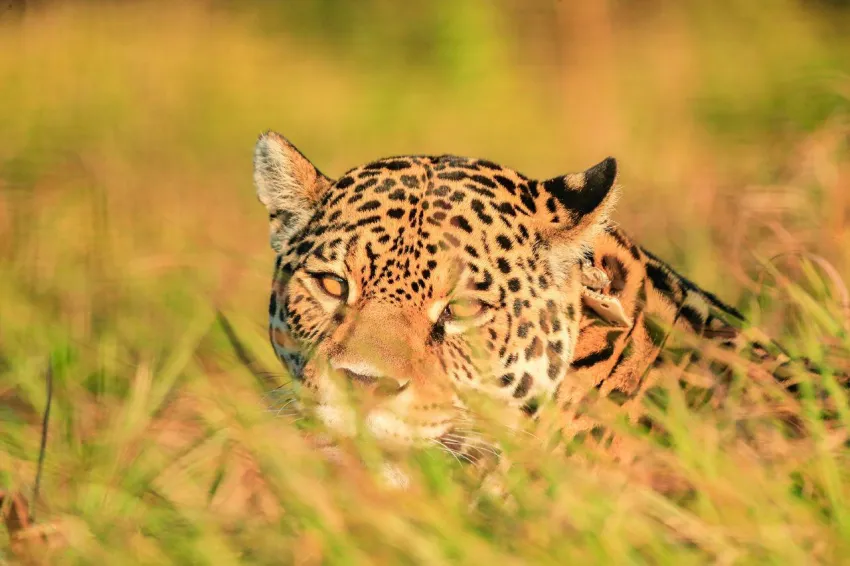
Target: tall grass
[(127, 221)]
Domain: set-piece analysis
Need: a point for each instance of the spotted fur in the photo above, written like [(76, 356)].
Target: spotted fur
[(373, 269)]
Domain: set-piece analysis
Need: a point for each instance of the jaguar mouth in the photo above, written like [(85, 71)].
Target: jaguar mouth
[(392, 430), (465, 448), (451, 441)]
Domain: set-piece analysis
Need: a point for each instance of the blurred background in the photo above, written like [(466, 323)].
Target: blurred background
[(127, 209), (127, 129)]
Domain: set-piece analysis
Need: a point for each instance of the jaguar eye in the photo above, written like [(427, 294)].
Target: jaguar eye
[(334, 286), (464, 309)]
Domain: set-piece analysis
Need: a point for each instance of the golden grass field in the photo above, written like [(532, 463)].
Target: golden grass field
[(128, 221)]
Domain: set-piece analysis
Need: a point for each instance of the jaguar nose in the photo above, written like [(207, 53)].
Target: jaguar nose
[(372, 380), (359, 377)]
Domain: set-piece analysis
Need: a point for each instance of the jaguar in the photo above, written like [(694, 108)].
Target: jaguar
[(412, 280)]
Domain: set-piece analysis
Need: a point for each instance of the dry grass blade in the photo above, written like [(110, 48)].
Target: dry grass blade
[(830, 271), (42, 451), (264, 377), (30, 539), (15, 512)]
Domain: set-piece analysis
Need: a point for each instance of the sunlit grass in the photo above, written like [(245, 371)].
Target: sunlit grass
[(128, 222)]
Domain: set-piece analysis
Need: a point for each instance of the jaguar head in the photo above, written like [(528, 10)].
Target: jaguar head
[(408, 281)]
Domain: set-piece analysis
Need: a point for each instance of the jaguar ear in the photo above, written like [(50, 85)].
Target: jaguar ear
[(577, 205), (287, 184)]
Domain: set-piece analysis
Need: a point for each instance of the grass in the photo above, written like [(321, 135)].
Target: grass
[(127, 221)]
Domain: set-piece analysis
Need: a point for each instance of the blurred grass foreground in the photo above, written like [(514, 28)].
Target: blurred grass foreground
[(127, 220)]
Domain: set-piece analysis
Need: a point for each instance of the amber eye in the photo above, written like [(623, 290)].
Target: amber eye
[(464, 309), (334, 286)]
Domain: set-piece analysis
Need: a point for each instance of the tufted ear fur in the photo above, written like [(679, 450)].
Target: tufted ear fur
[(287, 184), (576, 207)]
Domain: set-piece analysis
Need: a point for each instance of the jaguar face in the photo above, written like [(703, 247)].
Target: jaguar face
[(411, 280)]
